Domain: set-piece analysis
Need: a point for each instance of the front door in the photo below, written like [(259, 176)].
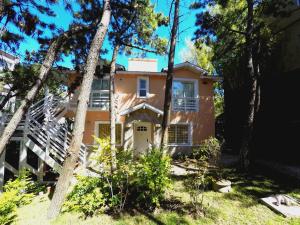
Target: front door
[(142, 137)]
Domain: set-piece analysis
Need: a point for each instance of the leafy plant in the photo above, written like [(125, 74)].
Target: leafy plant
[(86, 197), (152, 178), (206, 155), (16, 193)]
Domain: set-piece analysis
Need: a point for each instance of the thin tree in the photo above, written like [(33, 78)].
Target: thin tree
[(51, 55), (169, 79), (133, 27), (30, 96), (77, 134), (113, 108)]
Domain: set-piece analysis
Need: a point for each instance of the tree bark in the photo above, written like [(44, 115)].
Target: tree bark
[(25, 103), (248, 129), (113, 108), (77, 134), (169, 79)]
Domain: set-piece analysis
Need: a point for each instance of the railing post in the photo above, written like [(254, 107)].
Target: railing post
[(23, 148)]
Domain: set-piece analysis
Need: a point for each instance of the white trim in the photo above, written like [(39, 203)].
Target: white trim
[(196, 92), (141, 73), (96, 130), (138, 87), (196, 84), (141, 106), (190, 134), (190, 66)]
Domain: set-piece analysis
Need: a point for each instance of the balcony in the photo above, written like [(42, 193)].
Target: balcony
[(185, 104), (99, 101)]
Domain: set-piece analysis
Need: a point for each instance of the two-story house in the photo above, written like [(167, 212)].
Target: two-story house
[(41, 140), (140, 98)]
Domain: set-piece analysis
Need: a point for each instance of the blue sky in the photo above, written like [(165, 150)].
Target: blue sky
[(187, 28)]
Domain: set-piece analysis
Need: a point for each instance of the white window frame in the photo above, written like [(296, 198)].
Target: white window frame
[(196, 92), (90, 107), (96, 130), (190, 134), (147, 87)]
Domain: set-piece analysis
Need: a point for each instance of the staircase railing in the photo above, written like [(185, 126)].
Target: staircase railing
[(43, 127)]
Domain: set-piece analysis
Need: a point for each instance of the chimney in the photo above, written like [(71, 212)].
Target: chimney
[(140, 64)]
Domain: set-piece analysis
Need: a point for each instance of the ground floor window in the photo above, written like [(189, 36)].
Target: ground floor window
[(104, 132), (178, 134)]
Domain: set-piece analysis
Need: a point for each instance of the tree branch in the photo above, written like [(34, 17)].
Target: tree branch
[(137, 47)]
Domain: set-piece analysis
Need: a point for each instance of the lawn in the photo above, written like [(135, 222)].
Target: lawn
[(241, 206)]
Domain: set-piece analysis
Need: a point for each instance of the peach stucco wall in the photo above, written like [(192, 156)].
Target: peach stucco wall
[(203, 123)]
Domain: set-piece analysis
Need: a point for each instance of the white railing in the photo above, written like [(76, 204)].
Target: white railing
[(48, 133), (186, 104), (99, 100)]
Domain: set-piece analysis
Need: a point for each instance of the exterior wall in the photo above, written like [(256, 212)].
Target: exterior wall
[(202, 122)]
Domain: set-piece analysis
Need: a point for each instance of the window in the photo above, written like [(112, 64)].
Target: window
[(104, 132), (143, 87), (185, 95), (178, 134), (141, 128), (99, 97)]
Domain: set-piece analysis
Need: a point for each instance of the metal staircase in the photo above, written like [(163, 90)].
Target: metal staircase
[(46, 134)]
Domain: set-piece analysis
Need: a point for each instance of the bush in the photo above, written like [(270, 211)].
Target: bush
[(86, 197), (209, 151), (16, 193), (152, 178)]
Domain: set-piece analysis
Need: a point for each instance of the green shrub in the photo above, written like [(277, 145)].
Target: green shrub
[(8, 207), (86, 197), (16, 193), (152, 178), (209, 151)]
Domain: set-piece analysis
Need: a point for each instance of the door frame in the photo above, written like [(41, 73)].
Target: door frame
[(141, 123)]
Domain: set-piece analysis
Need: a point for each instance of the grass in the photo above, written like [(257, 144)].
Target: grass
[(241, 206)]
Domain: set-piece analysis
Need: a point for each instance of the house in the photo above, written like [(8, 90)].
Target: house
[(42, 138), (7, 61), (140, 99)]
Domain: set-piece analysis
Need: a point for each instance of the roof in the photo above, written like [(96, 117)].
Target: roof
[(188, 65), (7, 55), (141, 106)]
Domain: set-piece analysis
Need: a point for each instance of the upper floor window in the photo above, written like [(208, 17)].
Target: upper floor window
[(143, 87), (99, 98), (185, 95)]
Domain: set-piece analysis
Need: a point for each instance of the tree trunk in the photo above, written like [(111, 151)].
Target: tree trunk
[(169, 79), (77, 134), (25, 103), (248, 129), (113, 108)]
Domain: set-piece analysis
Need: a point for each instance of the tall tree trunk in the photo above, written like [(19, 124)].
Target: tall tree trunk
[(83, 98), (6, 99), (25, 103), (169, 79), (248, 129), (113, 108)]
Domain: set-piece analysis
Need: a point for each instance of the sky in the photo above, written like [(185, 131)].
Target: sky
[(186, 31)]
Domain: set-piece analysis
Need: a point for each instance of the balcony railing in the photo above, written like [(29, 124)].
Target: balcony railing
[(186, 104), (99, 100)]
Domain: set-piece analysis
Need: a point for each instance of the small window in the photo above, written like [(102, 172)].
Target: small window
[(100, 85), (104, 132), (141, 128), (178, 134), (143, 87)]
